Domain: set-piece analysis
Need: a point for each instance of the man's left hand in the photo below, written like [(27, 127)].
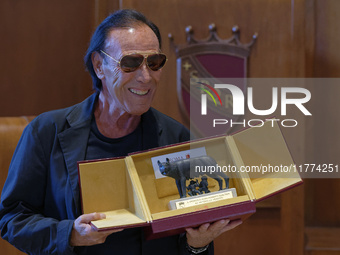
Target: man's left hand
[(206, 233)]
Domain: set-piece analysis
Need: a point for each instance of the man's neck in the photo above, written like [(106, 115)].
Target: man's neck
[(112, 122)]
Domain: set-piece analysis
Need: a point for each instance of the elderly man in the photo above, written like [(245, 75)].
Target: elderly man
[(40, 206)]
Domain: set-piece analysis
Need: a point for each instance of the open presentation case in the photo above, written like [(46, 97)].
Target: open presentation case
[(128, 192)]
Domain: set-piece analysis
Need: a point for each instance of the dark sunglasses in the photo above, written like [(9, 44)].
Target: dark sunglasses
[(131, 62)]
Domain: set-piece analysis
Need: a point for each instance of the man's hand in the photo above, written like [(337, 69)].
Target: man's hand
[(206, 233), (83, 234)]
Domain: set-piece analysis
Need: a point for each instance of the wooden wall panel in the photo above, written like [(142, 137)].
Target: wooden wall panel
[(43, 44), (103, 8), (322, 205), (320, 252), (321, 240), (324, 137), (263, 225)]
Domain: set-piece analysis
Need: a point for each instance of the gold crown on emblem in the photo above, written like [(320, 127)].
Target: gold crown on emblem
[(232, 44)]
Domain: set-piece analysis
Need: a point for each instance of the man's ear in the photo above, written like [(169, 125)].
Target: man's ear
[(97, 62)]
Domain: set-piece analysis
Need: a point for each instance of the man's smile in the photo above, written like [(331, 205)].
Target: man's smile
[(139, 92)]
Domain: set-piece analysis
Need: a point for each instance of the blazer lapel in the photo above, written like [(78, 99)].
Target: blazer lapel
[(73, 143)]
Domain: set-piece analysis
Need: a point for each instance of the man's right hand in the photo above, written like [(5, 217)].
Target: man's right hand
[(83, 233)]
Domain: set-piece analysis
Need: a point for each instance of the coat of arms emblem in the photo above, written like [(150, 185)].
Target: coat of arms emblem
[(202, 63)]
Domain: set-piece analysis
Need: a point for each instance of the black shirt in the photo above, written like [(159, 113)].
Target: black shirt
[(131, 240), (100, 146)]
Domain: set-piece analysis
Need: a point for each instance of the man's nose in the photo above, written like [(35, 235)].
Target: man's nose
[(144, 73)]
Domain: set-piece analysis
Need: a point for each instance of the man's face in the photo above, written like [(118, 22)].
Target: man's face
[(129, 92)]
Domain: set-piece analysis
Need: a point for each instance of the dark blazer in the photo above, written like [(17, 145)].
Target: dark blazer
[(40, 199)]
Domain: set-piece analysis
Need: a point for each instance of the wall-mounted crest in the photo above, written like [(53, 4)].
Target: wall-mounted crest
[(212, 58)]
